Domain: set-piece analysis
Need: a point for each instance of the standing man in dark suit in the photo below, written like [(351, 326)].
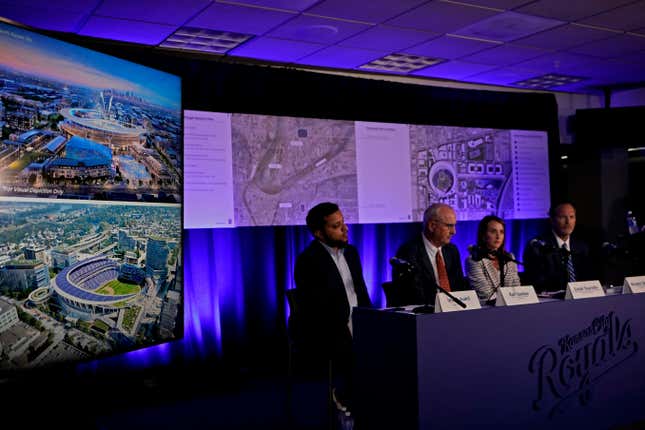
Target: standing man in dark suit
[(329, 282), (556, 257), (436, 261)]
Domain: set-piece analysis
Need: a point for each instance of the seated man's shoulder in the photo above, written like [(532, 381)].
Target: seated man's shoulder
[(311, 252), (579, 243), (452, 247), (408, 247)]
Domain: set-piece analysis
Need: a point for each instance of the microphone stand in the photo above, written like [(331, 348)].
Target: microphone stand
[(502, 265), (502, 259), (429, 309)]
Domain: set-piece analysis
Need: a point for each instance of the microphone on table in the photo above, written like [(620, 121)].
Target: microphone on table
[(541, 246), (402, 264), (477, 253)]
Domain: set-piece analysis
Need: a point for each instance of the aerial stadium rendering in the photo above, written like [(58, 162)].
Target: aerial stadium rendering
[(100, 126), (54, 95), (87, 279), (91, 288)]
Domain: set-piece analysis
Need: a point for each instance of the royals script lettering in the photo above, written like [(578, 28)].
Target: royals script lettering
[(568, 369)]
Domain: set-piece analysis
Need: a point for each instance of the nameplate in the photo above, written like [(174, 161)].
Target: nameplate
[(443, 303), (634, 285), (583, 290), (511, 296)]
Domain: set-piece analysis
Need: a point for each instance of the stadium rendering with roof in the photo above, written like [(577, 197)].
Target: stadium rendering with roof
[(83, 159), (90, 288), (93, 125)]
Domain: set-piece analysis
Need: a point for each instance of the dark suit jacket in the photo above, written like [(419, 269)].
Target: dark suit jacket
[(415, 286), (546, 270), (321, 327)]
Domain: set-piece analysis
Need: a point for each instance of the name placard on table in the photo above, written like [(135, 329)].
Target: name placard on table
[(634, 284), (583, 290), (443, 303), (511, 296)]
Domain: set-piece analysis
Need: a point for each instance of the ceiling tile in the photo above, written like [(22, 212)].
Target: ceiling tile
[(272, 49), (385, 38), (624, 18), (294, 5), (441, 17), (317, 30), (453, 70), (557, 62), (449, 47), (564, 37), (597, 68), (44, 18), (499, 4), (373, 11), (613, 47), (507, 26), (502, 76), (340, 57), (570, 10), (239, 19), (152, 10), (68, 5), (629, 73), (635, 58), (586, 86), (126, 31), (503, 55)]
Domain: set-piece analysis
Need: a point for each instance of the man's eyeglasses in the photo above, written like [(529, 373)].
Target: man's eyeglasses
[(450, 226)]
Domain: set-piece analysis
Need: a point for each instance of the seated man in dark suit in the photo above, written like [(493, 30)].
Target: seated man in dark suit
[(436, 261), (329, 282), (556, 257)]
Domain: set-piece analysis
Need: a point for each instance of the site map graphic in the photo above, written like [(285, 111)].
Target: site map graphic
[(467, 168), (283, 166)]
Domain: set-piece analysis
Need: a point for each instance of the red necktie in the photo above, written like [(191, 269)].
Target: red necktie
[(442, 272)]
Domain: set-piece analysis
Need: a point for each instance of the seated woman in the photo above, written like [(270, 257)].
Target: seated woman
[(484, 262)]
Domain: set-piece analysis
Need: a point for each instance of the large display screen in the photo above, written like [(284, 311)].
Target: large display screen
[(90, 203), (270, 170)]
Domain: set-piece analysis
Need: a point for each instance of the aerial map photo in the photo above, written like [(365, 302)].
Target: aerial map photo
[(282, 166), (467, 168)]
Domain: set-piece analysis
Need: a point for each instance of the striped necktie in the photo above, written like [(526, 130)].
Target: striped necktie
[(569, 261)]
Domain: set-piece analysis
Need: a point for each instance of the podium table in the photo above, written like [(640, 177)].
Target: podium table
[(554, 365)]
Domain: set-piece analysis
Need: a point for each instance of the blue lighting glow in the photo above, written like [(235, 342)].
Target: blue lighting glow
[(236, 278)]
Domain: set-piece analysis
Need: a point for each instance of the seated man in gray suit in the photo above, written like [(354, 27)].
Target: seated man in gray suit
[(435, 260)]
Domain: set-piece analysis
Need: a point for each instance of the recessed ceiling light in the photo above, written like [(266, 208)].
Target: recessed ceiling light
[(549, 80), (201, 39), (401, 63)]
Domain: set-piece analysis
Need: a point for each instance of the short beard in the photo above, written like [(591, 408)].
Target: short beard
[(334, 243)]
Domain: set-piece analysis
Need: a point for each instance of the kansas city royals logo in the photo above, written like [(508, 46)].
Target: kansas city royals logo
[(568, 370)]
